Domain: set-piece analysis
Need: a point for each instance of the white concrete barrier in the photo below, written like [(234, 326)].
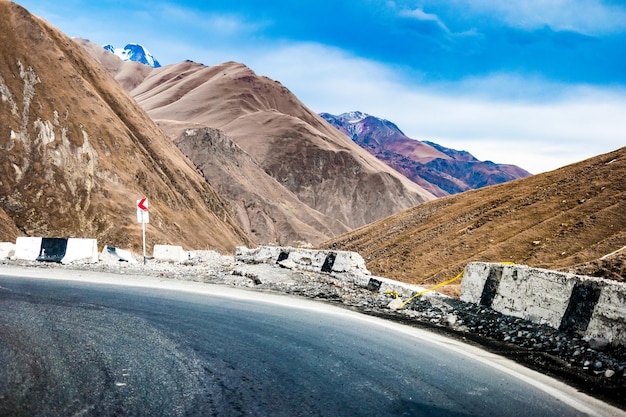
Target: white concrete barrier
[(348, 267), (591, 307), (169, 253), (609, 315), (327, 261), (27, 248), (110, 253), (7, 250), (62, 250), (81, 250)]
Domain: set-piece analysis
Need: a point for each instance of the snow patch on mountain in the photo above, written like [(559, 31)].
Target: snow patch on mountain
[(134, 52), (353, 116)]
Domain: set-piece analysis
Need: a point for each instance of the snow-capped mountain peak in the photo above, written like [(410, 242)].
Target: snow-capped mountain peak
[(353, 116), (134, 52)]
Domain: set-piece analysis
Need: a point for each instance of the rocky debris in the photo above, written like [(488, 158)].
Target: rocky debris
[(593, 366)]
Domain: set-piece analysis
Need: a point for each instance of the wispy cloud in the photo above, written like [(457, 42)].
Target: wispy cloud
[(589, 17), (214, 24), (425, 19)]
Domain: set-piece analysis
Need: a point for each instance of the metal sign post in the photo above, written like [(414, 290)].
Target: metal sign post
[(143, 217)]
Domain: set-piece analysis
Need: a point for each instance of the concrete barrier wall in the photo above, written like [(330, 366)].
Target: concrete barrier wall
[(169, 253), (305, 259), (591, 307), (81, 250), (27, 248), (348, 267), (62, 250), (7, 250)]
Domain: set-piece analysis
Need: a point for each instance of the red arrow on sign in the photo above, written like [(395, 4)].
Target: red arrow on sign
[(142, 204)]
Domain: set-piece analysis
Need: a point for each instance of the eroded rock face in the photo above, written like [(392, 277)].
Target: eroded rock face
[(76, 151), (263, 207)]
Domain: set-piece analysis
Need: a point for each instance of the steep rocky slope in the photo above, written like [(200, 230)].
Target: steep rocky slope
[(564, 219), (323, 168), (77, 151), (306, 157), (440, 170), (267, 211), (8, 230)]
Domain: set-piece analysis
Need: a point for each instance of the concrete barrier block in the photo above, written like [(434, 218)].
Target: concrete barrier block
[(113, 254), (591, 307), (169, 253), (304, 259), (307, 259), (81, 250), (350, 262), (7, 250), (261, 254), (539, 295), (27, 248), (473, 283), (609, 315)]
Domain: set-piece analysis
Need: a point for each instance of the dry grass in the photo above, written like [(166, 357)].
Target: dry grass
[(557, 220)]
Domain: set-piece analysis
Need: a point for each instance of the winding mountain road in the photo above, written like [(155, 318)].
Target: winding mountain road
[(162, 347)]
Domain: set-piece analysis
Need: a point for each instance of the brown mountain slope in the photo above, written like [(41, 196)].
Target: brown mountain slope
[(555, 220), (266, 210), (319, 165), (8, 231), (77, 151)]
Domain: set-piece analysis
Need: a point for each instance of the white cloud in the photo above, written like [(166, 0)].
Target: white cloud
[(212, 24), (585, 16), (535, 133), (420, 14)]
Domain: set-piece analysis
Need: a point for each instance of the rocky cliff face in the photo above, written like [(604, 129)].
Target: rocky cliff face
[(267, 211), (76, 151)]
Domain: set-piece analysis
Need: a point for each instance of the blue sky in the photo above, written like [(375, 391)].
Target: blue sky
[(536, 83)]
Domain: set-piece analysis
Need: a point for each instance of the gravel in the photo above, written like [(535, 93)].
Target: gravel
[(593, 366)]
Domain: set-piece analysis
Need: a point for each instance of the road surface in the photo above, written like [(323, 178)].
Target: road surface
[(92, 348)]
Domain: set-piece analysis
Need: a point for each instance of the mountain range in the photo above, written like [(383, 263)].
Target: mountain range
[(228, 157), (440, 170), (306, 173)]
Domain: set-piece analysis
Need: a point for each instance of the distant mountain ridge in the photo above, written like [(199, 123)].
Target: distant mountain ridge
[(134, 52), (440, 170)]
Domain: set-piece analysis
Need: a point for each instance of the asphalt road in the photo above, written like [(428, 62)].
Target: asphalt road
[(84, 348)]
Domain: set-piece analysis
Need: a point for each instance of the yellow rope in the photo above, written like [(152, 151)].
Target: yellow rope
[(431, 289), (394, 293), (441, 285)]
